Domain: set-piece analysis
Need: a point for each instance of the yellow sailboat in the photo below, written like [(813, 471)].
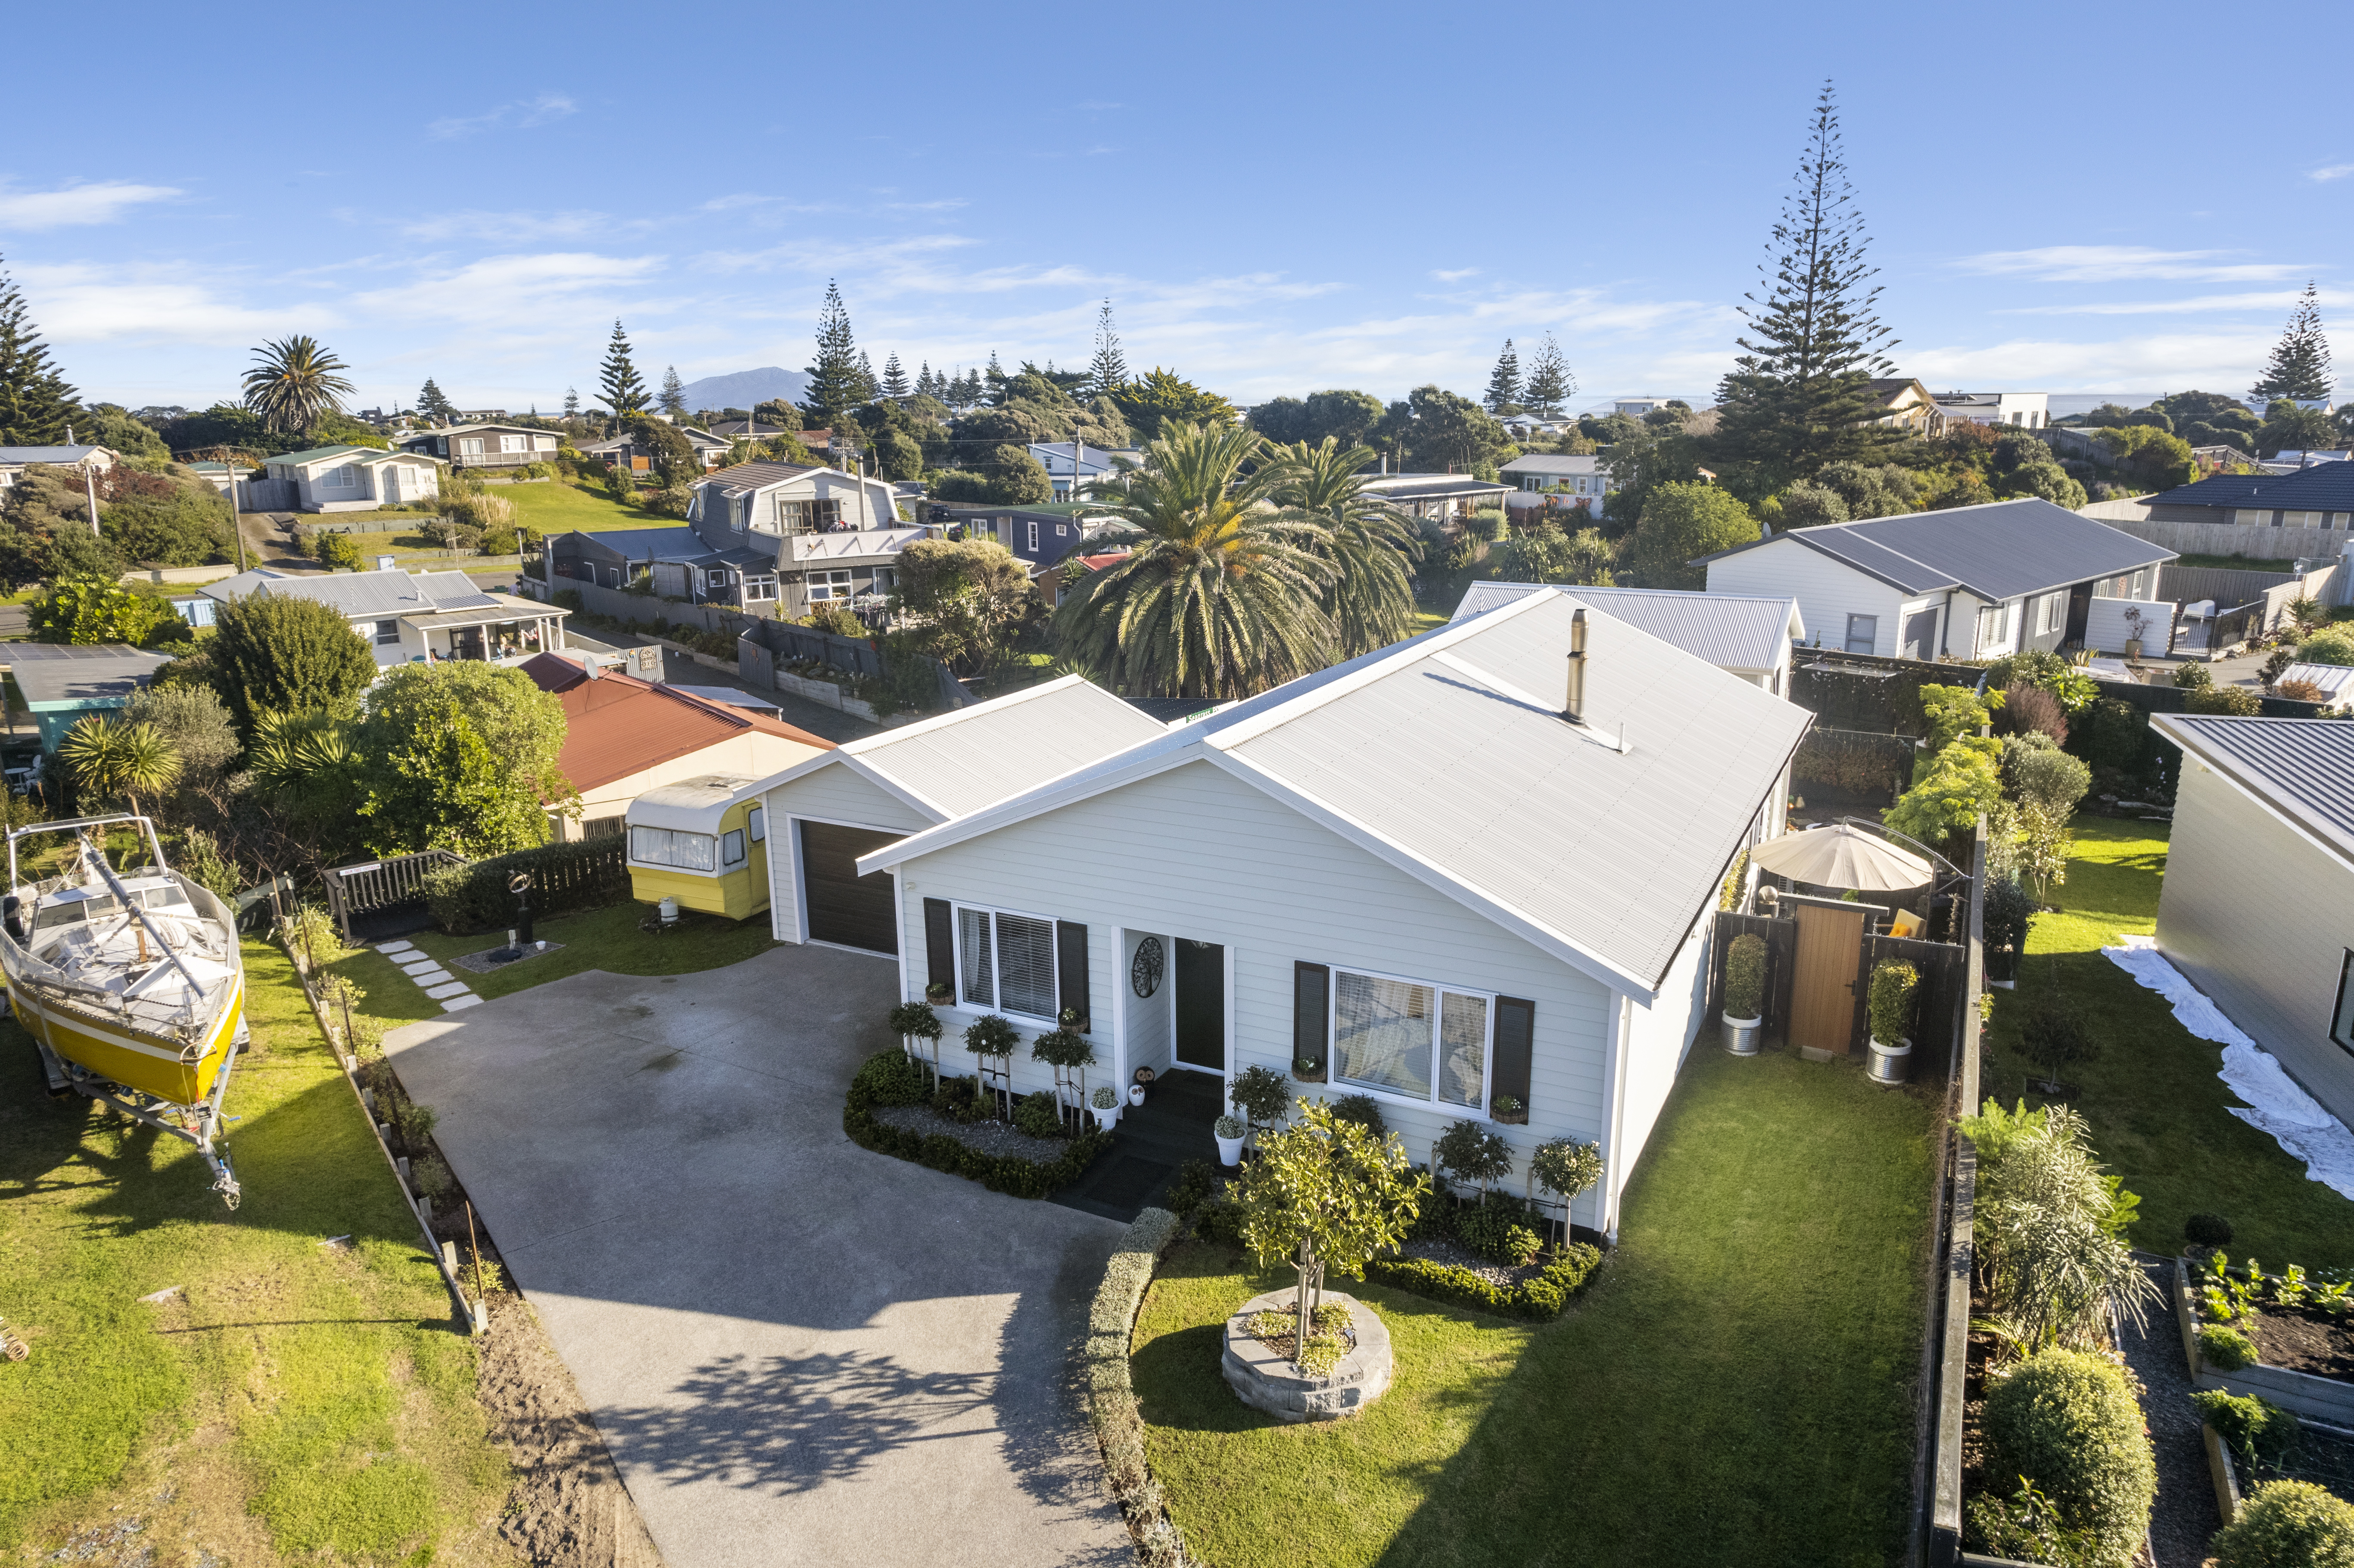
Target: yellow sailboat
[(130, 982)]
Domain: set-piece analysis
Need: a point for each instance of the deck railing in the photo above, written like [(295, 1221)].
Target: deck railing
[(379, 884)]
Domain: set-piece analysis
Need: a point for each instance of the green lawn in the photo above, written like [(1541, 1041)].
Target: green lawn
[(2158, 1110), (294, 1402), (605, 939), (1734, 1387), (2237, 563), (558, 507)]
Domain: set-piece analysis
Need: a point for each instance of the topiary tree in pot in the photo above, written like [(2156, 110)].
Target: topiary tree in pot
[(1471, 1153), (1896, 987), (1326, 1194), (993, 1038), (1261, 1095), (913, 1021), (1745, 993)]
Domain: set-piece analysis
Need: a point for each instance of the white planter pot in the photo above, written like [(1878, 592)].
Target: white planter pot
[(1889, 1063), (1105, 1117), (1230, 1150), (1136, 1094), (1742, 1035)]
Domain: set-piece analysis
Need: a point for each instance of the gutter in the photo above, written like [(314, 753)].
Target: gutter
[(1614, 1182)]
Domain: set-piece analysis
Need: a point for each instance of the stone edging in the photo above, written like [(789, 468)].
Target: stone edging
[(1111, 1397)]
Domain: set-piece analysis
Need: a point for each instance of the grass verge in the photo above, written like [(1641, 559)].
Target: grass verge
[(2159, 1114), (1737, 1385), (292, 1400), (605, 939)]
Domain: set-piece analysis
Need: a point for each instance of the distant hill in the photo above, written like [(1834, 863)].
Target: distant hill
[(747, 388)]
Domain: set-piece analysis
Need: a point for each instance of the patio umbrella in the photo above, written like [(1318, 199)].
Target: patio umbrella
[(1842, 856)]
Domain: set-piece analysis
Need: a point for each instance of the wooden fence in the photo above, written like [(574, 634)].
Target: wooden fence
[(380, 884), (1781, 938)]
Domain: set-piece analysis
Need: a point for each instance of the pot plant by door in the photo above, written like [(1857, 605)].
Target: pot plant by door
[(1228, 1132), (1895, 986), (1106, 1106), (1745, 993)]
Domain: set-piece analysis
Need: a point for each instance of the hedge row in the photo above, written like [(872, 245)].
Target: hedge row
[(588, 874), (1543, 1296), (1112, 1396), (998, 1173)]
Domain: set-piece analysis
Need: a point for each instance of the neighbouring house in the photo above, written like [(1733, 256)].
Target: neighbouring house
[(484, 445), (1635, 408), (1037, 536), (1532, 958), (764, 537), (412, 617), (857, 798), (1527, 423), (60, 684), (1540, 477), (748, 430), (2319, 496), (222, 476), (1046, 576), (15, 460), (354, 479), (1060, 459), (1974, 582), (703, 841), (625, 736), (1442, 497), (2027, 410), (2264, 805), (1906, 405), (624, 450)]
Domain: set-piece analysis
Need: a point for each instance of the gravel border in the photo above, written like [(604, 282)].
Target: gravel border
[(1504, 1276), (995, 1138), (2185, 1516)]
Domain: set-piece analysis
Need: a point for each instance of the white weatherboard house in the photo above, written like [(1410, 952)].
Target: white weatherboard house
[(1974, 582), (832, 808), (2265, 806), (1409, 876)]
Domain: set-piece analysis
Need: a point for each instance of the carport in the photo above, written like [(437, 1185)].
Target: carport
[(797, 1352)]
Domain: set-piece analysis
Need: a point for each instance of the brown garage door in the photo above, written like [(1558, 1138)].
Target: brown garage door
[(843, 906)]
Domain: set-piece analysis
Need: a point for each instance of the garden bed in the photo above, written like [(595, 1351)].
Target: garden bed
[(992, 1137), (2300, 1340), (889, 1081)]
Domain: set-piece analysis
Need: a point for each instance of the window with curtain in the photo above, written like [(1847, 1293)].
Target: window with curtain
[(1994, 622), (1412, 1039), (976, 975), (731, 847), (1006, 962), (666, 846)]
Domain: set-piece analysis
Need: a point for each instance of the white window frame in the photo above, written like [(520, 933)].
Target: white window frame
[(827, 585), (1439, 992), (343, 478), (1034, 536), (470, 446), (757, 822), (2301, 519), (2047, 613), (1994, 626), (515, 443), (731, 849), (382, 640), (2252, 518), (957, 908), (759, 588)]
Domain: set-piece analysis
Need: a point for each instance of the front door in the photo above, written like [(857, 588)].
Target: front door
[(1822, 991), (466, 642), (1920, 637), (1201, 1001)]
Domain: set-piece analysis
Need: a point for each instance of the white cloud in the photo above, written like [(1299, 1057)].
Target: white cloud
[(520, 228), (1457, 276), (2174, 361), (513, 293), (520, 115), (157, 303), (2333, 172), (2279, 301), (75, 205), (2109, 263)]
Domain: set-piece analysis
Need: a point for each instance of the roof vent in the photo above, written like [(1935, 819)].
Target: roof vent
[(1574, 703)]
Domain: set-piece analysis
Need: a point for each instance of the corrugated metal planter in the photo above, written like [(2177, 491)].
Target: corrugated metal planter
[(1890, 1063), (1742, 1035)]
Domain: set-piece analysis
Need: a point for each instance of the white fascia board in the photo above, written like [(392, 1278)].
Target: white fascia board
[(1142, 761), (890, 737), (1543, 937), (894, 787)]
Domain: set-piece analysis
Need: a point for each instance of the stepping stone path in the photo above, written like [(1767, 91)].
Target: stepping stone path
[(436, 983)]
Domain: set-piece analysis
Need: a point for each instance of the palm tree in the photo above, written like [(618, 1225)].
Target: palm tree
[(116, 758), (1220, 595), (294, 382), (1370, 541)]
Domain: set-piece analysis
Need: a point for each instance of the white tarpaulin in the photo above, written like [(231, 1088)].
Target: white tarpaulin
[(2276, 1106)]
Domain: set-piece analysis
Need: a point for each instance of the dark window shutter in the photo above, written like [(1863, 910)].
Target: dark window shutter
[(939, 943), (1071, 969), (1311, 1002), (1516, 1027)]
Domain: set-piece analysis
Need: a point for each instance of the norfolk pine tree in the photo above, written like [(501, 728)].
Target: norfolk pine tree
[(2299, 367), (1107, 371), (1800, 396), (572, 405), (835, 381), (618, 378), (35, 404), (1550, 384), (673, 400), (1503, 394), (895, 380)]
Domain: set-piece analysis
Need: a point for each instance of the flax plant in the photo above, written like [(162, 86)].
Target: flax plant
[(2051, 1224)]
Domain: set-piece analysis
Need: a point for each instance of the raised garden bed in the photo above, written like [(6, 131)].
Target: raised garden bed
[(2311, 1338)]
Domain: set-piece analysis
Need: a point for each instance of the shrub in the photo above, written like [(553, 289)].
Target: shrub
[(1230, 1127), (2032, 710), (992, 1035), (1497, 1230), (430, 1177), (2191, 677), (1038, 1114), (2068, 1420), (586, 874), (2051, 780), (1744, 976), (1261, 1095), (1564, 1276), (2226, 1350), (500, 542), (998, 1173), (916, 1020), (2301, 691), (1196, 1184), (2010, 908), (2236, 701), (889, 1078), (2206, 1230), (1566, 1166), (2259, 1430), (1362, 1109), (1221, 1223), (337, 550), (2334, 646), (2288, 1523), (1895, 988)]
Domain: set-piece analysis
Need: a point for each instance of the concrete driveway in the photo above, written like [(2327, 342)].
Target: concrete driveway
[(799, 1351)]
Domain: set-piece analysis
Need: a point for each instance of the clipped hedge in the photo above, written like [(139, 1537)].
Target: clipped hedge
[(2288, 1522), (1112, 1396), (1543, 1296), (998, 1173), (2068, 1420), (588, 874)]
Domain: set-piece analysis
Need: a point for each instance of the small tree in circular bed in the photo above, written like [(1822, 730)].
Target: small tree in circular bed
[(1326, 1194), (913, 1020), (993, 1038), (1473, 1154)]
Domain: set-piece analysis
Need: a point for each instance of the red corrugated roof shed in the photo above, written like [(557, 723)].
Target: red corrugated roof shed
[(620, 725)]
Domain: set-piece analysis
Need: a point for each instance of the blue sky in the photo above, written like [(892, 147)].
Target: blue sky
[(1276, 199)]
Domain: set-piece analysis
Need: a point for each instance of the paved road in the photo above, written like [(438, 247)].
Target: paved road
[(799, 1351)]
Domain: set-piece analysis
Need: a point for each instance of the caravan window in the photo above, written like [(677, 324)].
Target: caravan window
[(668, 846)]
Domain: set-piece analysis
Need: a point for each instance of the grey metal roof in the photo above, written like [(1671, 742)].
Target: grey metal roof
[(745, 477), (2326, 486), (359, 595), (1552, 463), (979, 756), (1732, 631), (2305, 767), (2001, 550), (639, 544), (61, 456), (1411, 486), (57, 672), (453, 590)]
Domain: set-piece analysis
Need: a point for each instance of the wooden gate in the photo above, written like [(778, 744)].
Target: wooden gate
[(1824, 1002)]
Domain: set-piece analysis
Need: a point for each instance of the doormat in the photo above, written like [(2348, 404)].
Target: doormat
[(490, 960)]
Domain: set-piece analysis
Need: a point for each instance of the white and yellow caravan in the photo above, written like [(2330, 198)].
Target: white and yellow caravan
[(131, 984)]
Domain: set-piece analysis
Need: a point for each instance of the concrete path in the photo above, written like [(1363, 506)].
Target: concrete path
[(799, 1351)]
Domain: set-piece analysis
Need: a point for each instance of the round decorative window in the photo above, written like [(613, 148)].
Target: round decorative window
[(1144, 973)]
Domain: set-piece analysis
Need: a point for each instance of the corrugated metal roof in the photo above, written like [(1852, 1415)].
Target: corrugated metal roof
[(62, 672), (979, 756), (619, 725), (757, 475), (1732, 631), (1552, 463), (453, 590), (2325, 486), (1478, 773), (316, 452), (2306, 767), (356, 594), (2004, 549), (639, 544), (60, 456)]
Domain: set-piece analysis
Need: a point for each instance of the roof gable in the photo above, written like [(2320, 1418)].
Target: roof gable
[(2302, 768), (1999, 550)]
